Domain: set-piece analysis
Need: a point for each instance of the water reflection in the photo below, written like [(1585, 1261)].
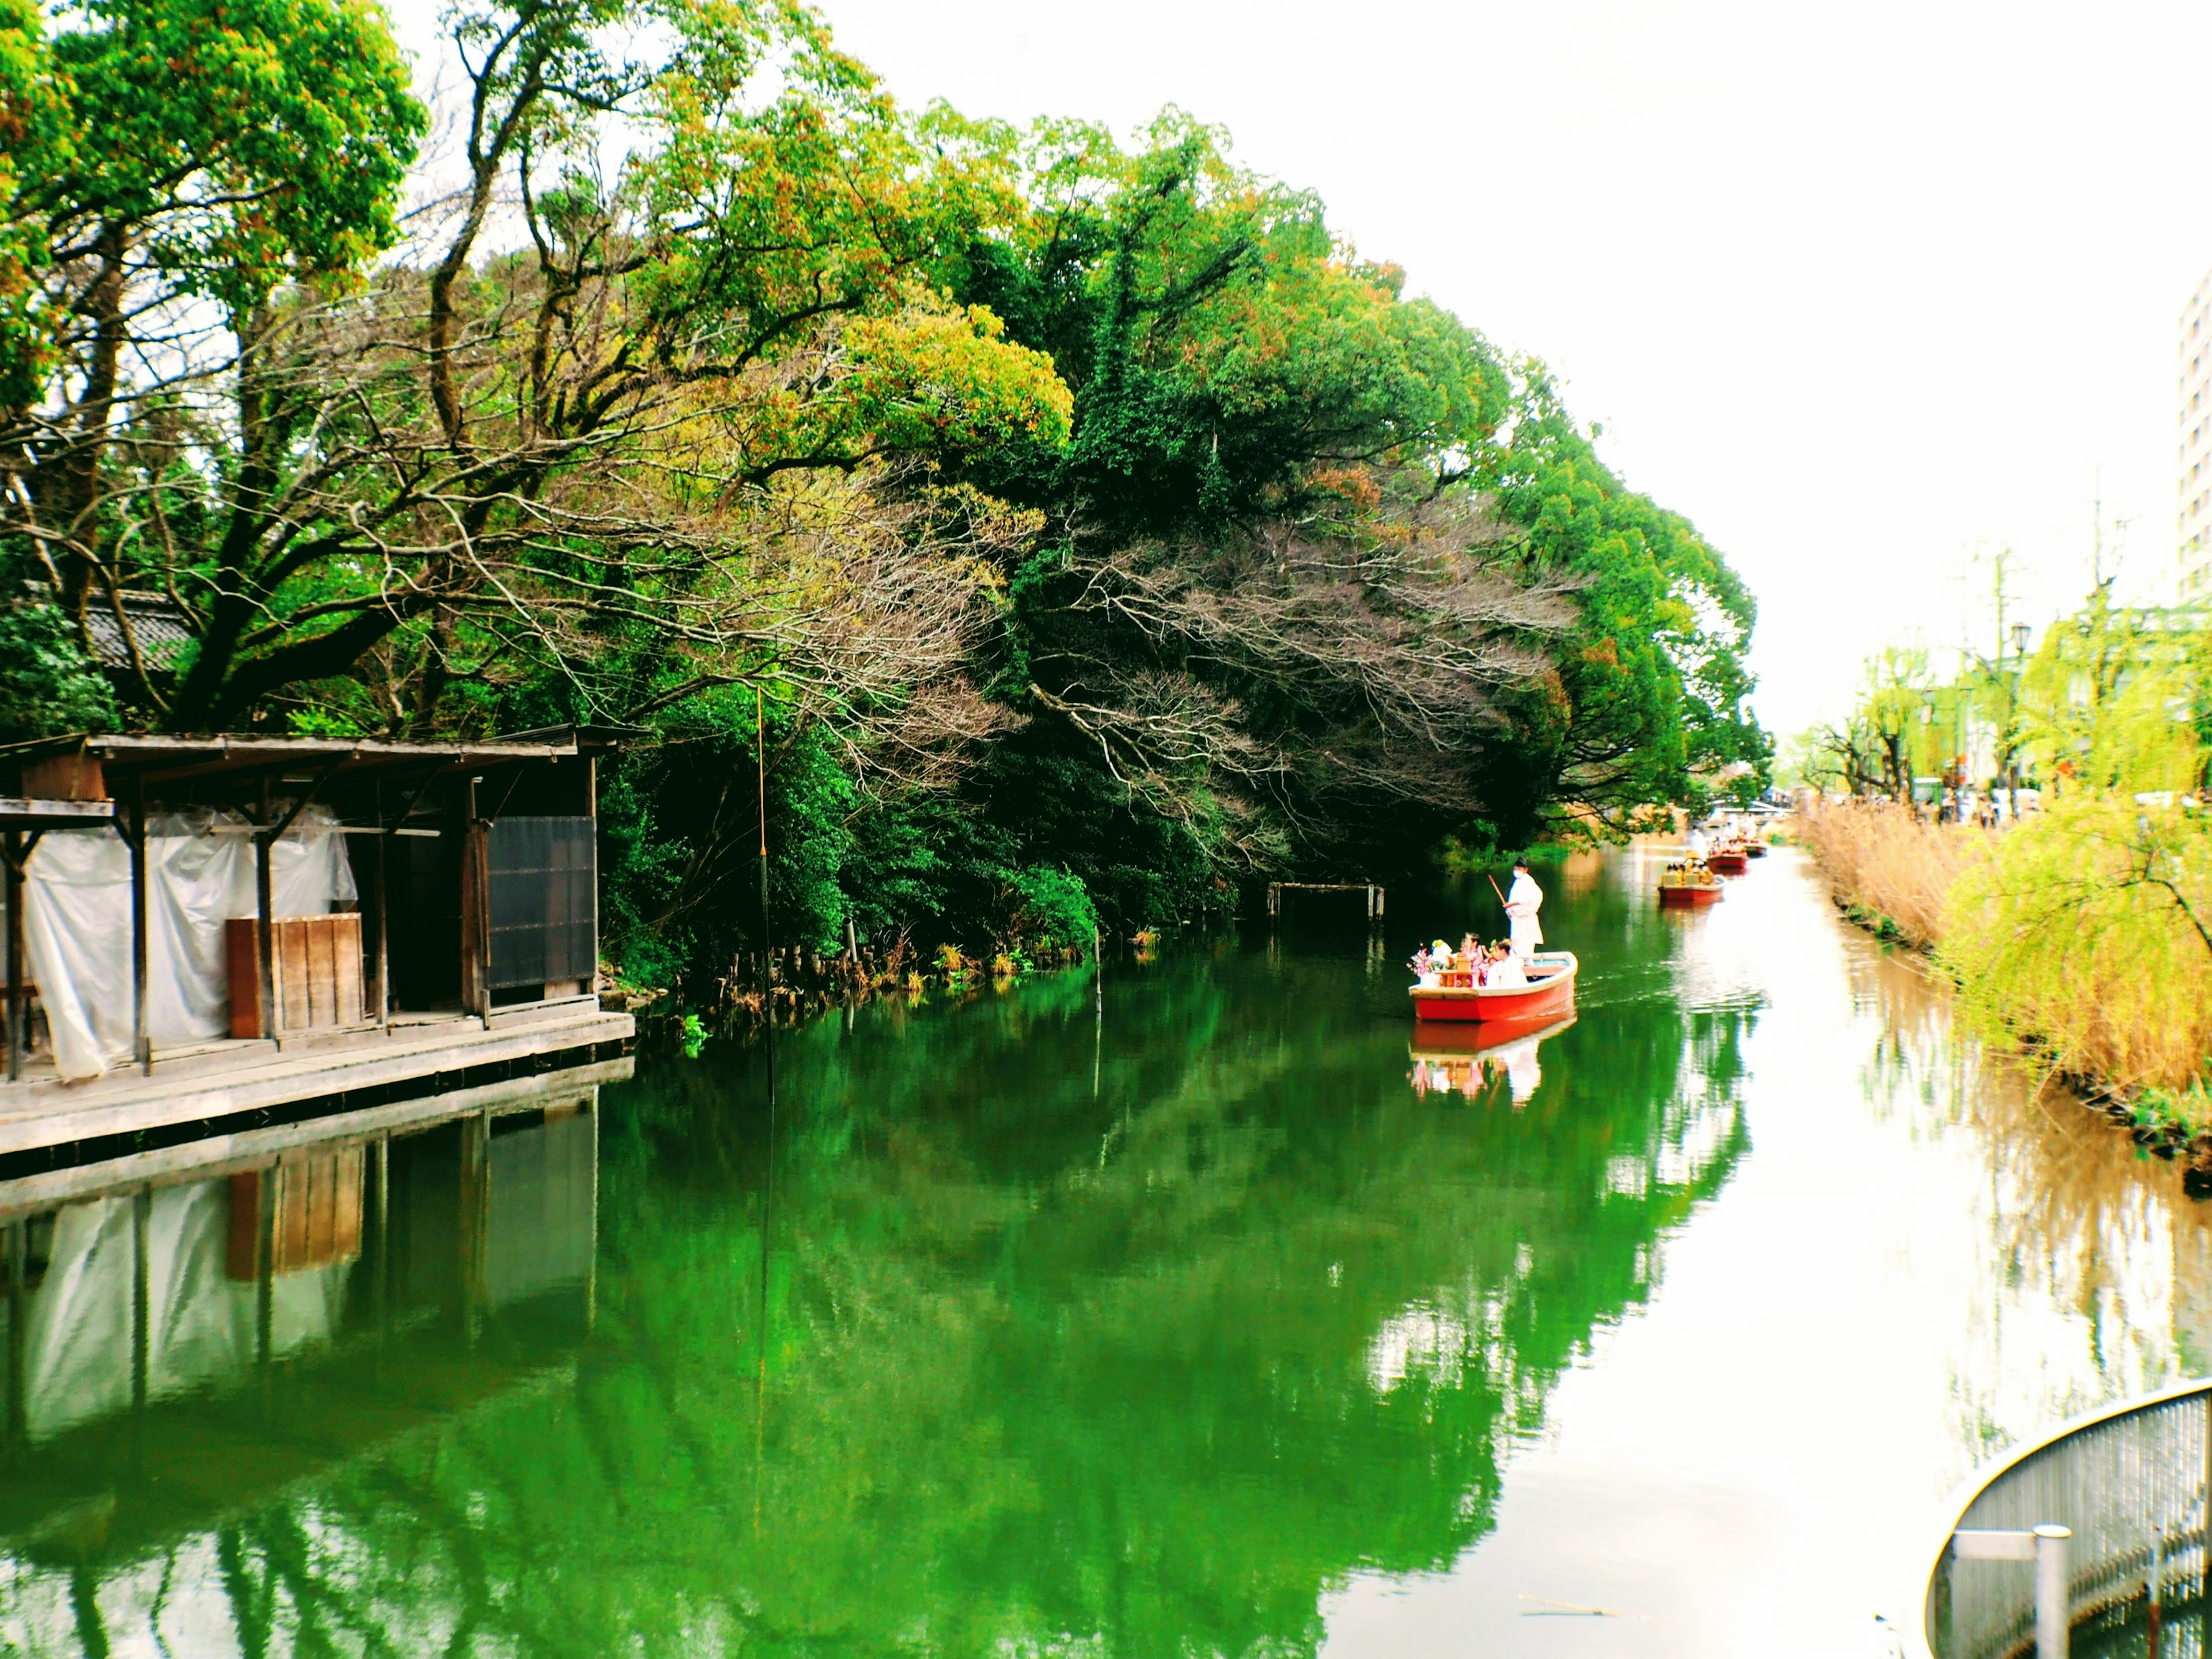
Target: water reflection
[(1477, 1061), (186, 1350), (1194, 1312)]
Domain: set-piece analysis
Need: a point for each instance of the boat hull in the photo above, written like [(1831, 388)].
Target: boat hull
[(1690, 898), (1550, 997), (1726, 864)]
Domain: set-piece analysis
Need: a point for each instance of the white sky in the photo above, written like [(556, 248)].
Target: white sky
[(1861, 291)]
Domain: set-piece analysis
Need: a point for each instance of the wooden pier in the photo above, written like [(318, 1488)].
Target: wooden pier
[(1374, 892), (225, 1083)]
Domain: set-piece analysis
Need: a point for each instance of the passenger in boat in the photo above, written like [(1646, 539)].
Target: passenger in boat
[(1523, 899), (1505, 971)]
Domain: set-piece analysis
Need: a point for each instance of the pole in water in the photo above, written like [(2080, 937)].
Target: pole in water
[(768, 952), (768, 1190)]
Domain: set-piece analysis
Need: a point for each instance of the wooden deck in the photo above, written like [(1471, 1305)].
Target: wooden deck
[(228, 1086)]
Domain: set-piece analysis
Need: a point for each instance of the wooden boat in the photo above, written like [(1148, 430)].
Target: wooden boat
[(1727, 860), (1548, 995), (1685, 887)]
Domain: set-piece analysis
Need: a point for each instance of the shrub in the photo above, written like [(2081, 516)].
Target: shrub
[(2081, 929), (1048, 909)]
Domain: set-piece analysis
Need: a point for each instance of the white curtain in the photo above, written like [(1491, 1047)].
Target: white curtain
[(76, 924)]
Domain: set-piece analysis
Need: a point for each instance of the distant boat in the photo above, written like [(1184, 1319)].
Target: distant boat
[(1727, 860), (1548, 995), (1755, 849), (1687, 887)]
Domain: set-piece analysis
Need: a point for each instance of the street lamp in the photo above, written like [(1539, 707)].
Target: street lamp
[(2020, 631)]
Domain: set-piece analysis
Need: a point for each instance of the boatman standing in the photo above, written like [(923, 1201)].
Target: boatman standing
[(1523, 899)]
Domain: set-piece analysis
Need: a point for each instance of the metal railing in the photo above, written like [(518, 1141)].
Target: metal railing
[(2111, 1509)]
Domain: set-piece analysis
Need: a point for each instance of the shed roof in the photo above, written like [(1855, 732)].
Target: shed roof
[(152, 761)]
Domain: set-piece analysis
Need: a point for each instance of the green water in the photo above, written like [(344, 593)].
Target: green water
[(1189, 1312)]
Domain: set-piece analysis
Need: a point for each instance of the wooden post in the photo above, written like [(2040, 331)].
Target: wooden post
[(1378, 904), (1274, 899), (476, 909), (264, 943), (592, 811), (377, 873), (142, 1040)]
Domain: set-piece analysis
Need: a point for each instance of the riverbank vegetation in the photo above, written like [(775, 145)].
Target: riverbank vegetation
[(1087, 527), (2085, 930)]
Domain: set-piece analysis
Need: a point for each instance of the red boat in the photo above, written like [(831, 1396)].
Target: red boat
[(1727, 861), (1461, 1041), (1690, 895), (1549, 994)]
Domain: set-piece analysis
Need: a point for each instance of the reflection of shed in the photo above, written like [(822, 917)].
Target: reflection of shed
[(402, 1262), (166, 893)]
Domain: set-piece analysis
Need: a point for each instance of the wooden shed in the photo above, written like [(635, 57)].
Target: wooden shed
[(469, 869)]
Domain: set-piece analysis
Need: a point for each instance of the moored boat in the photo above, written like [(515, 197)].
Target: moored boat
[(1548, 995)]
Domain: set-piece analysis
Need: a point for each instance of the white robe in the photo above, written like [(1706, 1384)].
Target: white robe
[(1523, 899)]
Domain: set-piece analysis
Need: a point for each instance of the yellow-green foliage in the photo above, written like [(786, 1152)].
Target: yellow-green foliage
[(2077, 931), (2083, 929), (2114, 698)]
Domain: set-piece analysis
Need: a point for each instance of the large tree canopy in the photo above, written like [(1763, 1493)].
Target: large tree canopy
[(1097, 524)]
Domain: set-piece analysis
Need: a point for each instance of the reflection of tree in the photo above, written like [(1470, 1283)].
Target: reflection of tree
[(1152, 1367), (2075, 1220)]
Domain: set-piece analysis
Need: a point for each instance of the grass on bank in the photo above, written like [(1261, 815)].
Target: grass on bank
[(2081, 930), (1887, 866), (2076, 934)]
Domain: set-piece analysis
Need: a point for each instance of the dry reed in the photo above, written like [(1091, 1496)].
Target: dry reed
[(2052, 940), (1887, 865)]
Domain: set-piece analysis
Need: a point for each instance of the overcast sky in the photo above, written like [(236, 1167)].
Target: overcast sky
[(1863, 291)]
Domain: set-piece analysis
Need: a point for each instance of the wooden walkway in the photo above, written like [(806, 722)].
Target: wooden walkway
[(216, 1084)]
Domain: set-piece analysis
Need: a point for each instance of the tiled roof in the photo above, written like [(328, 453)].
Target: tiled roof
[(156, 622)]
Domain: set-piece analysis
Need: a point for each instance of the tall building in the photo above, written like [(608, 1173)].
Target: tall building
[(2195, 452)]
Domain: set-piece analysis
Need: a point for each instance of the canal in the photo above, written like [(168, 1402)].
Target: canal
[(1182, 1312)]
